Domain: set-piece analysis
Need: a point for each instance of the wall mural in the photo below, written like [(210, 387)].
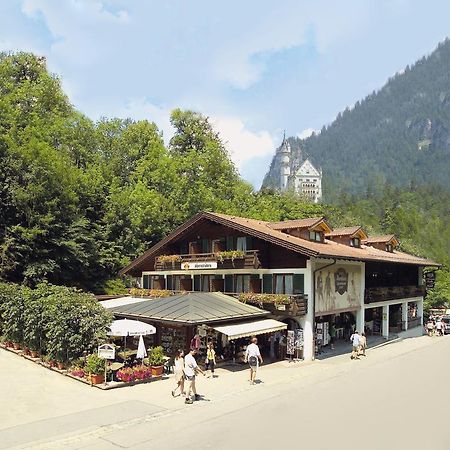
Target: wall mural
[(338, 287)]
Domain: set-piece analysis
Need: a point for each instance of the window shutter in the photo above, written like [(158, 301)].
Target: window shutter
[(229, 283), (299, 283), (267, 283), (197, 286), (169, 282)]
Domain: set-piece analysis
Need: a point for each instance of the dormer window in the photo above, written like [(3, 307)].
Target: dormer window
[(316, 236), (355, 242), (389, 248)]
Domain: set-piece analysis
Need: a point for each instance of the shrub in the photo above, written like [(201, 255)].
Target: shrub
[(94, 364), (156, 356)]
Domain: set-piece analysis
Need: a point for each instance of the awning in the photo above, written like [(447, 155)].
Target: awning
[(239, 330)]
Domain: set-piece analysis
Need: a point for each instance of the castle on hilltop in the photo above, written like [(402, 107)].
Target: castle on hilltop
[(301, 176)]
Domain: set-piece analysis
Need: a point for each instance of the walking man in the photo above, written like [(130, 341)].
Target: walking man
[(254, 358), (355, 338), (190, 370)]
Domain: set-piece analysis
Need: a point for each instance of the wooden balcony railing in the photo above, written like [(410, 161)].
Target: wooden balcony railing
[(250, 260), (380, 294)]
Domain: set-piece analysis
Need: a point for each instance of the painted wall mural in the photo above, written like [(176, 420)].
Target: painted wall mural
[(338, 287)]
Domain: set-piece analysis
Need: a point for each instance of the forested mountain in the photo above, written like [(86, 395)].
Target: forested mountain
[(79, 199), (399, 135)]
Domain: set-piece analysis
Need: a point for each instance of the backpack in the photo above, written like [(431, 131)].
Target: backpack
[(253, 360)]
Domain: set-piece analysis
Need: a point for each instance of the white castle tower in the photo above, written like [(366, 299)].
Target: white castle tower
[(284, 153)]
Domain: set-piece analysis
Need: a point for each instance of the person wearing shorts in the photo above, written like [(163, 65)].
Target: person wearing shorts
[(210, 361), (355, 338), (254, 358), (190, 370)]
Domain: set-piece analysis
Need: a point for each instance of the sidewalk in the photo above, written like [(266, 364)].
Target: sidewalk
[(59, 407)]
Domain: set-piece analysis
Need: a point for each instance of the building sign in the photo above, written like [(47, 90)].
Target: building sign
[(338, 288), (341, 281), (106, 351), (430, 279), (298, 339), (199, 265)]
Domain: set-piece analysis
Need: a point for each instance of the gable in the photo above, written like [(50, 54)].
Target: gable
[(307, 169)]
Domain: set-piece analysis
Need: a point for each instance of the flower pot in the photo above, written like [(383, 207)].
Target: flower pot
[(16, 346), (157, 371), (26, 351), (34, 353), (97, 379), (9, 344), (60, 365), (52, 363)]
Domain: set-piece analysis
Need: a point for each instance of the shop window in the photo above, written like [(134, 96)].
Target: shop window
[(229, 283), (197, 283), (316, 236), (284, 284), (157, 282), (146, 281), (242, 283), (355, 242)]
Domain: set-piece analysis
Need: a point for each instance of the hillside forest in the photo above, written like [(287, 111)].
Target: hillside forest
[(79, 199)]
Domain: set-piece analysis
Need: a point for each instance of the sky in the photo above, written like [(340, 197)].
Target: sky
[(255, 68)]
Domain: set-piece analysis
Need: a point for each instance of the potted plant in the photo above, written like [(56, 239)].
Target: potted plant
[(95, 367), (156, 359)]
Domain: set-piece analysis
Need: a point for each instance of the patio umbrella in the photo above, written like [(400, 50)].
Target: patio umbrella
[(141, 351), (125, 327)]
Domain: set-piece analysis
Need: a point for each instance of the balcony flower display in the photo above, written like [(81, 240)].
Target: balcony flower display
[(258, 299), (230, 254)]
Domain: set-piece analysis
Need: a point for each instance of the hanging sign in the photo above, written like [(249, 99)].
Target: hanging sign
[(106, 351), (430, 279), (199, 265)]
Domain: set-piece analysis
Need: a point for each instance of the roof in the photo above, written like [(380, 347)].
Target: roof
[(296, 223), (345, 231), (111, 303), (265, 231), (190, 308), (379, 239)]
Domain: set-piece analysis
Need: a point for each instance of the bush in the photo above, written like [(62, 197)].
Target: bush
[(156, 356)]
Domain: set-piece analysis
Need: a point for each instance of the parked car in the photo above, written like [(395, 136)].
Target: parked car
[(446, 320)]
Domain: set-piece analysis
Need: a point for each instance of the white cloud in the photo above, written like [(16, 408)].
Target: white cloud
[(242, 144), (307, 133)]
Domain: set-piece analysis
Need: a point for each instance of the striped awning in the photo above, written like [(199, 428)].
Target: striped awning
[(245, 329)]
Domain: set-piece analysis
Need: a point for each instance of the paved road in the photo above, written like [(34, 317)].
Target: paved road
[(375, 403)]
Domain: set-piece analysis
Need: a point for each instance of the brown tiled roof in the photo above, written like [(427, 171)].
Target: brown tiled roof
[(345, 231), (379, 239), (265, 231), (296, 223)]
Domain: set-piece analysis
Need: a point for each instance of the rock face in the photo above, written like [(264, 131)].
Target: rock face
[(399, 135)]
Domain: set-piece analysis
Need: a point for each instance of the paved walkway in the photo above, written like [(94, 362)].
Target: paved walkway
[(55, 408)]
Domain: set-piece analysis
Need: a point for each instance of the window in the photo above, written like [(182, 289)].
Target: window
[(241, 243), (284, 284), (242, 283), (355, 242), (389, 248), (316, 236)]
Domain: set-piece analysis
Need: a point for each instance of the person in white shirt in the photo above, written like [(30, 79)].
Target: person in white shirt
[(355, 338), (253, 356), (190, 370), (179, 372), (439, 328)]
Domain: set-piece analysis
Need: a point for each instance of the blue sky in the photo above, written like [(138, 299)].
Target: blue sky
[(254, 67)]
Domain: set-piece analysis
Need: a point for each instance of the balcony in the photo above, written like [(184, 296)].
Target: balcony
[(278, 304), (225, 260), (381, 294)]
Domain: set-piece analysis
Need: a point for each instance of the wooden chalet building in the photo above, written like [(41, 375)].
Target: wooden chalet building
[(359, 282)]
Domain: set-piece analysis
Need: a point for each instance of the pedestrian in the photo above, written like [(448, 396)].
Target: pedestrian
[(190, 371), (332, 335), (362, 344), (439, 327), (355, 338), (179, 372), (430, 327), (210, 361), (253, 357)]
